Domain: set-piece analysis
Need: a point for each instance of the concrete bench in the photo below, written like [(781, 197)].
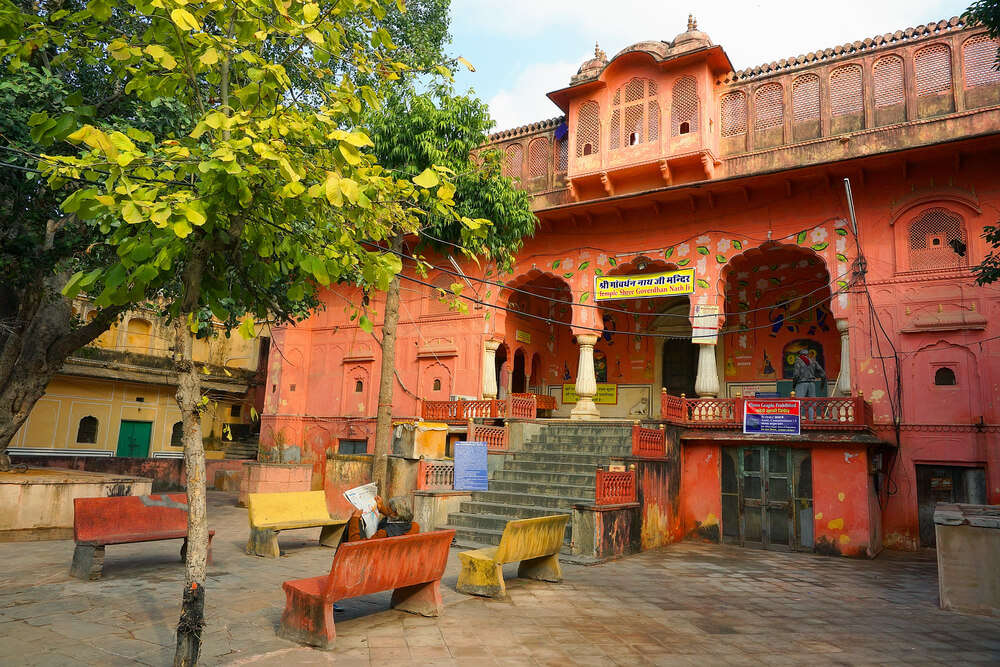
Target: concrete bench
[(271, 513), (98, 522), (410, 565), (533, 542)]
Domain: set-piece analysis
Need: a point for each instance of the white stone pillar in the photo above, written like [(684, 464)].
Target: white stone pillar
[(706, 385), (490, 369), (843, 386), (586, 381)]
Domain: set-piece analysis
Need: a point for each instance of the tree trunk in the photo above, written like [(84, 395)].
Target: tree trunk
[(34, 347), (196, 560), (387, 380)]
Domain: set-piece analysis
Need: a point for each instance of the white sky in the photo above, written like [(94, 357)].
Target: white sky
[(523, 49)]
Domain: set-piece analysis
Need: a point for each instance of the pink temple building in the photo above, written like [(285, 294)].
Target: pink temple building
[(669, 159)]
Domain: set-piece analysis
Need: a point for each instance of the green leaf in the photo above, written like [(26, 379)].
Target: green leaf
[(841, 257), (820, 246), (182, 229), (247, 328), (612, 261), (195, 213), (72, 287), (428, 178), (684, 262), (359, 139), (721, 259), (702, 283), (366, 324), (669, 252), (737, 245), (598, 272), (350, 153), (584, 297), (184, 19), (801, 238), (467, 64), (310, 12), (131, 214), (841, 231), (842, 284), (702, 250), (582, 266), (568, 275), (556, 264), (446, 191)]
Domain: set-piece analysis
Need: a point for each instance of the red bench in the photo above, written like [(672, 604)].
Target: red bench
[(98, 522), (411, 565)]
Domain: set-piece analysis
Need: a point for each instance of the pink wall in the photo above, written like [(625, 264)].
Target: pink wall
[(842, 523), (701, 488)]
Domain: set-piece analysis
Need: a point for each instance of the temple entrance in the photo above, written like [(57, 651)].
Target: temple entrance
[(502, 373), (767, 497), (680, 367), (518, 381)]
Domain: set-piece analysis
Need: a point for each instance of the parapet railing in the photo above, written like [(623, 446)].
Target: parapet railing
[(517, 407), (614, 487), (495, 437), (833, 412), (649, 442), (435, 475)]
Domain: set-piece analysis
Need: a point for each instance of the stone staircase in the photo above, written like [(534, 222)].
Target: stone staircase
[(554, 471)]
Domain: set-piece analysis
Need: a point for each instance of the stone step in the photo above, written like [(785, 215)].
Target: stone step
[(545, 477), (550, 466), (512, 511), (583, 433), (562, 457), (495, 522), (478, 538), (532, 488), (616, 449), (517, 498)]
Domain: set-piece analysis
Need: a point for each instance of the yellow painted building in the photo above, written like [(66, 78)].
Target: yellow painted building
[(115, 397)]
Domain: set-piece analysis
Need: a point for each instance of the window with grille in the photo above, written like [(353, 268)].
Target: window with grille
[(87, 430), (635, 115), (932, 69), (936, 236), (979, 56), (513, 161), (734, 113), (769, 106), (887, 80), (805, 98), (588, 129), (562, 155), (845, 91), (684, 106), (177, 435), (538, 158), (352, 446)]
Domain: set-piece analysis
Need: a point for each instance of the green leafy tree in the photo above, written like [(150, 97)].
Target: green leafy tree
[(262, 193), (987, 12), (412, 132)]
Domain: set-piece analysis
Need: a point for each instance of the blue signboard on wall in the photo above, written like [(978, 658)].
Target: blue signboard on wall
[(470, 467)]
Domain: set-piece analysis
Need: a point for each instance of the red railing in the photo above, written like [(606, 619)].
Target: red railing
[(461, 411), (542, 401), (435, 475), (614, 488), (495, 437), (833, 412), (649, 442)]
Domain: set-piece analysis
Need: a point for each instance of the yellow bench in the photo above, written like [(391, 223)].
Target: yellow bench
[(533, 542), (271, 513)]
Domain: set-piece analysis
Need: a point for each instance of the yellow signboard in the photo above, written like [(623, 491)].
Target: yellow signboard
[(644, 286), (522, 336), (607, 394)]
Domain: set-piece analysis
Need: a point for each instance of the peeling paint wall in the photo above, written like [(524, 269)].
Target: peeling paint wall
[(841, 493), (701, 492)]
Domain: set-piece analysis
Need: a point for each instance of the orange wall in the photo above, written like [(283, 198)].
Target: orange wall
[(701, 491), (841, 501)]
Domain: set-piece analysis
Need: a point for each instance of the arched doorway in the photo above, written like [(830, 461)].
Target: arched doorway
[(518, 382), (679, 367), (502, 372)]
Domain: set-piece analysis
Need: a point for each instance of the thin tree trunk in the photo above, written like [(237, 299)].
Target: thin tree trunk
[(383, 422)]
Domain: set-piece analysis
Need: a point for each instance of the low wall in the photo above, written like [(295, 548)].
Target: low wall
[(166, 474), (431, 508), (273, 478), (38, 504), (968, 550), (607, 531)]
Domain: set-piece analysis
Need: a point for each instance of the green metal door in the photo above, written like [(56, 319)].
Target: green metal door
[(766, 497), (133, 439)]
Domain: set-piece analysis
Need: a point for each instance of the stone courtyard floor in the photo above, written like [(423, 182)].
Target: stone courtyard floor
[(686, 604)]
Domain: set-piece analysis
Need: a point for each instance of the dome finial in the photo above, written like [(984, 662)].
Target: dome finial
[(598, 53), (692, 23)]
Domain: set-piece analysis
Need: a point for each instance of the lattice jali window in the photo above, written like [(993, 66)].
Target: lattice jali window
[(887, 81), (769, 106), (979, 57), (932, 69), (634, 114), (562, 155), (538, 157), (684, 107), (588, 129), (514, 160), (937, 236), (845, 91), (733, 109), (805, 98)]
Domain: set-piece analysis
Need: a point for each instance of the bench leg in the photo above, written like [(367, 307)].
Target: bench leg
[(422, 599), (481, 577), (330, 535), (307, 619), (88, 562), (545, 568), (263, 542)]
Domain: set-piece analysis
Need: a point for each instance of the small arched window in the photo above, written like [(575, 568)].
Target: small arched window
[(734, 113), (944, 377), (769, 107), (937, 241), (513, 158), (538, 157), (887, 82), (845, 91), (437, 384), (177, 435), (588, 129), (635, 114), (805, 98), (86, 432), (979, 56), (684, 106), (932, 69), (359, 386)]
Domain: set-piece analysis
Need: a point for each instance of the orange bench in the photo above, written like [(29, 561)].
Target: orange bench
[(98, 522), (411, 565)]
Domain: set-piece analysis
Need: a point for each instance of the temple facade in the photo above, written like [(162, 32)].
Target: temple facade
[(701, 228)]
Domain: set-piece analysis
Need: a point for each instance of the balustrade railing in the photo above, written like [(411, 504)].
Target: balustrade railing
[(834, 412), (614, 488), (649, 442), (542, 401), (435, 475), (495, 437), (518, 407)]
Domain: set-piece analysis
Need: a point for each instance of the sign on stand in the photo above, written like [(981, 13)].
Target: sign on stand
[(772, 417), (470, 467)]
